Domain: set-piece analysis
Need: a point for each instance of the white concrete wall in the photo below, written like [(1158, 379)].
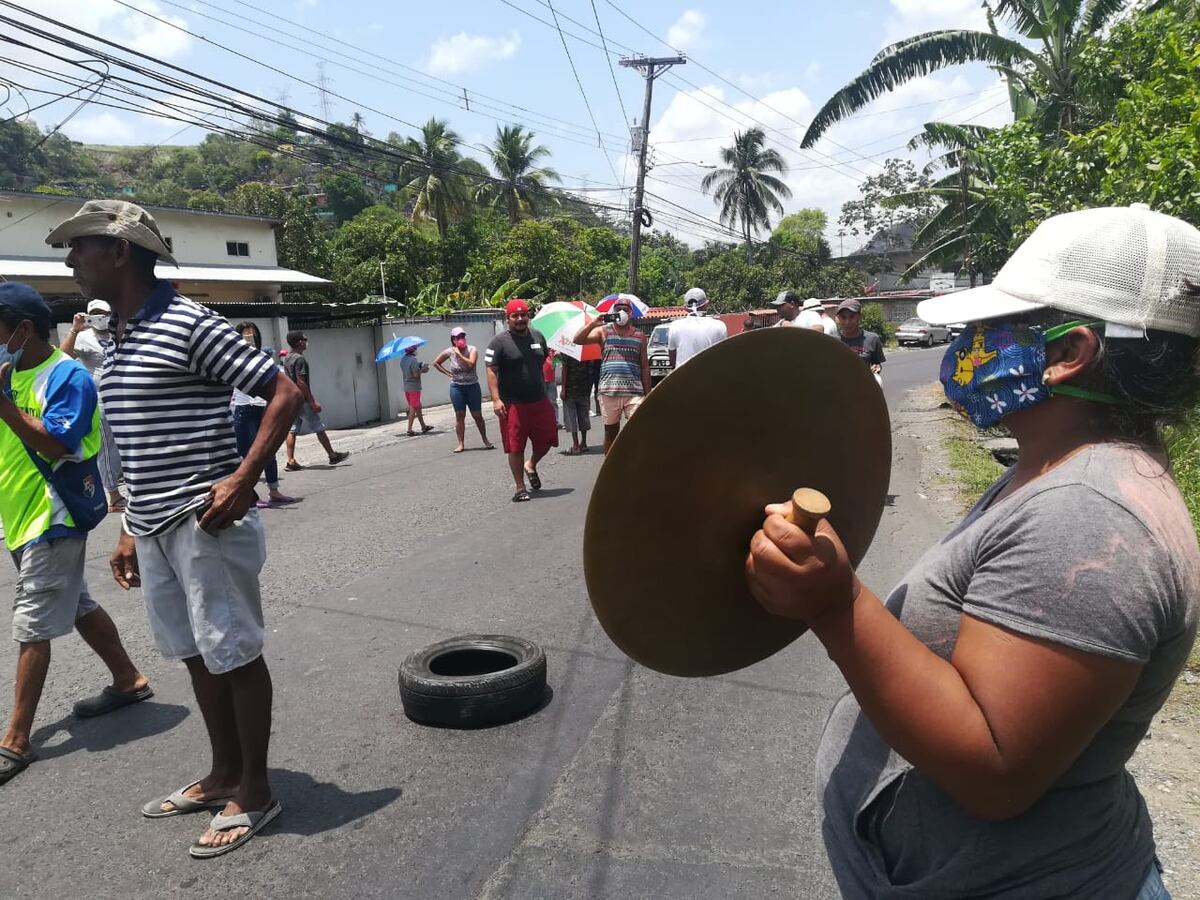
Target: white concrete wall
[(344, 381), (435, 387), (197, 238)]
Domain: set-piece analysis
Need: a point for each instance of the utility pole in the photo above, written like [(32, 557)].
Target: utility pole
[(650, 68)]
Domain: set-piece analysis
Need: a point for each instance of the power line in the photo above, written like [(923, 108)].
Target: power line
[(608, 59), (379, 148), (582, 92)]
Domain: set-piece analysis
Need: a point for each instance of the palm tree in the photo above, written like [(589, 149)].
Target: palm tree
[(968, 226), (1042, 82), (745, 191), (521, 185), (432, 174)]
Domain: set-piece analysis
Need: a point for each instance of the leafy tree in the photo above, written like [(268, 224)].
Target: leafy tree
[(521, 185), (206, 200), (376, 235), (301, 240), (745, 190), (432, 177), (876, 213), (1145, 152), (803, 232), (547, 253), (345, 194), (1043, 81)]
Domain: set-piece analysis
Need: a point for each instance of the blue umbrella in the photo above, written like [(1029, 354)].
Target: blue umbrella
[(398, 346)]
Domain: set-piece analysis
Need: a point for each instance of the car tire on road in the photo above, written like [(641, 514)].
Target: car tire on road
[(473, 681)]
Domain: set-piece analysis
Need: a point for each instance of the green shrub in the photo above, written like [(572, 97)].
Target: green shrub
[(873, 319)]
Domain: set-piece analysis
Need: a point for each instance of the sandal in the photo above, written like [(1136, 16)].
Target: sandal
[(522, 497), (427, 429), (254, 821), (535, 480), (110, 699), (183, 804), (13, 763)]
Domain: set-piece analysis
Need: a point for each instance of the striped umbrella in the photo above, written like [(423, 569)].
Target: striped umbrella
[(639, 308), (559, 321)]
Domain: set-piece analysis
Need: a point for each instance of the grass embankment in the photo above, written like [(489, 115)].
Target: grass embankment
[(975, 469), (1183, 443)]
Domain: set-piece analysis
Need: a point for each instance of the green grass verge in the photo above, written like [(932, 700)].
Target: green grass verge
[(974, 468), (1183, 444)]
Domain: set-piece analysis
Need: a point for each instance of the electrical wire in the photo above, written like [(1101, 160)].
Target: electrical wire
[(582, 92)]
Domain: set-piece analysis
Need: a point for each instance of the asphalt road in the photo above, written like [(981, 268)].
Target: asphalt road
[(627, 784)]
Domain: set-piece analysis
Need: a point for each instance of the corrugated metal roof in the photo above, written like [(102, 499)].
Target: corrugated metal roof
[(17, 267)]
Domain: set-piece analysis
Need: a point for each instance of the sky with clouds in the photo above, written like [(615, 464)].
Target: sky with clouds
[(751, 62)]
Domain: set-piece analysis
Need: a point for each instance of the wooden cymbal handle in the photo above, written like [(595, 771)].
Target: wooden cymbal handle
[(808, 507)]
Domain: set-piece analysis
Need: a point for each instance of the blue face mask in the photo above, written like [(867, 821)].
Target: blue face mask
[(990, 372), (12, 356)]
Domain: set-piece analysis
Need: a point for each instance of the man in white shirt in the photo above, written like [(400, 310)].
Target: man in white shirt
[(89, 339), (696, 331), (788, 305)]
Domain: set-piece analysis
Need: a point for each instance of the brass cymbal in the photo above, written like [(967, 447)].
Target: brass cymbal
[(683, 487)]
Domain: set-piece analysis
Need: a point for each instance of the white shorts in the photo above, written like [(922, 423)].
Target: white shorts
[(202, 592)]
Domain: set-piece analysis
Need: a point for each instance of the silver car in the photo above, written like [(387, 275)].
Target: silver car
[(918, 331)]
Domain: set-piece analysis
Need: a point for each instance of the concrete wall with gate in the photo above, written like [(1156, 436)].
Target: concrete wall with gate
[(355, 390), (342, 367)]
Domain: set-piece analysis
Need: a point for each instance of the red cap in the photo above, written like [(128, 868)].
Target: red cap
[(516, 306)]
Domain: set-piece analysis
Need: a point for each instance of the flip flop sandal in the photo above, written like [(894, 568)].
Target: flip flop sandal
[(255, 821), (13, 763), (535, 480), (426, 429), (489, 446), (183, 804), (110, 699), (522, 497), (293, 467)]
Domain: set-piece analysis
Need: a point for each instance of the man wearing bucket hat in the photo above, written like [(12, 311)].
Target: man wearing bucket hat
[(191, 535), (48, 408), (996, 696)]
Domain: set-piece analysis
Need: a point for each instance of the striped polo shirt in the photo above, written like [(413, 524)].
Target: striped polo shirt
[(166, 388)]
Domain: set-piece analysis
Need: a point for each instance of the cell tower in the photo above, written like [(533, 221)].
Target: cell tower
[(323, 90)]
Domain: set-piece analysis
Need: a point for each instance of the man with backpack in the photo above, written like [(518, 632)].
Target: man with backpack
[(50, 495)]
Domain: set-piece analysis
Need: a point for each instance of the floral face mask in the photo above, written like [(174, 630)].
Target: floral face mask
[(990, 372)]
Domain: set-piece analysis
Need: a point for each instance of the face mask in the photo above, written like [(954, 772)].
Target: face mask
[(991, 372), (623, 317), (12, 356)]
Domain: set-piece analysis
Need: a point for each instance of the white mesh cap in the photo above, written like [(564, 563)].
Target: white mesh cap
[(1125, 265)]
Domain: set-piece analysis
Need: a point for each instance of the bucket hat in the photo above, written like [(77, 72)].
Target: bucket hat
[(115, 219)]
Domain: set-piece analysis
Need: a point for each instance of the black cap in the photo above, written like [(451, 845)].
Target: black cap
[(786, 297), (24, 299)]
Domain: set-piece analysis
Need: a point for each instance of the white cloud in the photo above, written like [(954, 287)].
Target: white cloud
[(917, 16), (464, 52), (102, 128), (688, 31), (824, 177)]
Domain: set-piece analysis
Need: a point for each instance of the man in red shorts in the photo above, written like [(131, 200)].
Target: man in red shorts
[(514, 372)]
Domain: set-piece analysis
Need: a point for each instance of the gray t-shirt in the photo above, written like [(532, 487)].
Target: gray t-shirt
[(1098, 554), (410, 367)]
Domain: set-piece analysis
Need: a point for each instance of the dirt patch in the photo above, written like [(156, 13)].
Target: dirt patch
[(1166, 764)]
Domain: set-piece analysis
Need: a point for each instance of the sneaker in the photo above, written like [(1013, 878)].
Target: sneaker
[(339, 456)]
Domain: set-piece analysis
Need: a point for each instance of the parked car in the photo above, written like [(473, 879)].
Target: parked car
[(660, 358), (918, 331), (956, 328)]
